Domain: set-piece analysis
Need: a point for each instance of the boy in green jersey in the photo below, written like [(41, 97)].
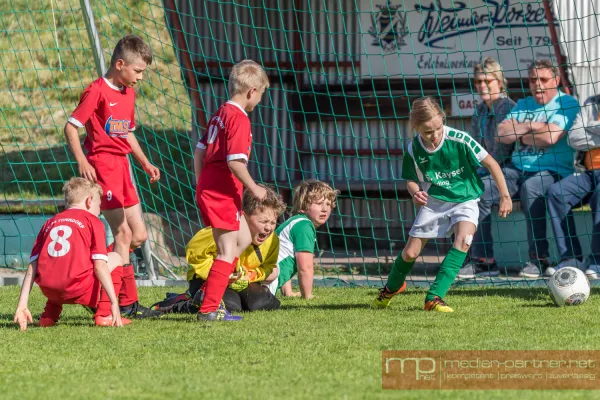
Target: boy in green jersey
[(441, 168), (312, 205)]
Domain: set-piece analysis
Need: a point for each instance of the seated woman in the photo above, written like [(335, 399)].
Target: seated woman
[(245, 291)]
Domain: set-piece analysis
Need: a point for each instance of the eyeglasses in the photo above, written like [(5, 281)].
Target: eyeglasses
[(540, 79), (486, 81)]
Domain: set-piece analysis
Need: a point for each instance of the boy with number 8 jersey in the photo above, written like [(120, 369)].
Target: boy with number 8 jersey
[(441, 168), (69, 260)]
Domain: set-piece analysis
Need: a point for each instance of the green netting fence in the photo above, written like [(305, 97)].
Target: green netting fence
[(343, 74)]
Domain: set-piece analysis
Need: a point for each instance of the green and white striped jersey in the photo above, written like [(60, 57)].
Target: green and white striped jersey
[(448, 173)]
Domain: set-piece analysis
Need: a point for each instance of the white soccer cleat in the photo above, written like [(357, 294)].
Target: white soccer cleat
[(593, 271)]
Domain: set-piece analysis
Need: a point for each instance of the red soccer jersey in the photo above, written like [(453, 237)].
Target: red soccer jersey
[(65, 249), (107, 112), (227, 138)]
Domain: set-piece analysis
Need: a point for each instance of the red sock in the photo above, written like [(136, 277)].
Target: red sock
[(215, 285), (104, 304), (52, 311), (128, 294)]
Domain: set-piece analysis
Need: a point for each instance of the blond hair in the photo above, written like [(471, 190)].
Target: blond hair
[(543, 64), (129, 48), (246, 75), (77, 190), (424, 110), (272, 201), (489, 66), (311, 191)]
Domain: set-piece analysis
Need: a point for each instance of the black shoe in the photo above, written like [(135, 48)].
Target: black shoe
[(198, 298), (138, 311), (171, 299)]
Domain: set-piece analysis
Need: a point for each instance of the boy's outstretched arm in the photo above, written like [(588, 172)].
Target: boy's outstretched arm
[(505, 207), (85, 169), (306, 272), (152, 171), (22, 314), (240, 171), (103, 274)]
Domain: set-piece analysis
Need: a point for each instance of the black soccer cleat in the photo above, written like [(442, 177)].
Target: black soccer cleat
[(138, 311)]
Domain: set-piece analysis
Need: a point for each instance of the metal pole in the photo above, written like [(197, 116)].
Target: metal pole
[(90, 25), (562, 62)]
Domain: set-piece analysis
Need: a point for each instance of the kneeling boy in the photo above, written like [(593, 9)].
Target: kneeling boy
[(245, 291), (69, 260)]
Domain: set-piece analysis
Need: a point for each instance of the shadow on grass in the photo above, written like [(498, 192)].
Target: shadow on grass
[(325, 306), (533, 305), (522, 293)]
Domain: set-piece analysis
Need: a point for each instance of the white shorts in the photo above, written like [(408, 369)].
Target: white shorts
[(436, 219)]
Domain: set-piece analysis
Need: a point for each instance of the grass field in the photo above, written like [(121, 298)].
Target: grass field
[(326, 348)]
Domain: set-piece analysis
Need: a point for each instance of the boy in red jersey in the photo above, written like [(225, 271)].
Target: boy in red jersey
[(69, 260), (220, 163), (107, 111)]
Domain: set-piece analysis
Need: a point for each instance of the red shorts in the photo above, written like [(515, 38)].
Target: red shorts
[(219, 211), (89, 298), (112, 173)]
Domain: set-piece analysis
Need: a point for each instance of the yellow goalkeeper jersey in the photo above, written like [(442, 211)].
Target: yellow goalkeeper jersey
[(257, 262)]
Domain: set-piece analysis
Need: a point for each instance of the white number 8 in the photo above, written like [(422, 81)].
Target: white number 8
[(62, 240)]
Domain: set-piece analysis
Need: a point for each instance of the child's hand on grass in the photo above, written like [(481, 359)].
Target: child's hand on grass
[(116, 315), (22, 317)]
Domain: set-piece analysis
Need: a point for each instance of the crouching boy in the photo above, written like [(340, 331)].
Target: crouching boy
[(69, 261)]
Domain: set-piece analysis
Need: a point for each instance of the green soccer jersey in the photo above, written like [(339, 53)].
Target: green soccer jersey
[(297, 234), (448, 173)]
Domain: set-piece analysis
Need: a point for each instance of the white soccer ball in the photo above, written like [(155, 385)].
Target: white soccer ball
[(569, 287)]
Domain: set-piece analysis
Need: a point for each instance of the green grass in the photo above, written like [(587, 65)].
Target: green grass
[(326, 348)]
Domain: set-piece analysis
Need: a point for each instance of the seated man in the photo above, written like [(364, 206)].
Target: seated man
[(245, 291), (538, 124), (572, 190), (491, 85)]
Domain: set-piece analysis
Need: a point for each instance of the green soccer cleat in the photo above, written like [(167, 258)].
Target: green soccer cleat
[(385, 297)]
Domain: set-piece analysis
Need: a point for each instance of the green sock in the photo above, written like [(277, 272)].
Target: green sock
[(448, 271), (398, 274)]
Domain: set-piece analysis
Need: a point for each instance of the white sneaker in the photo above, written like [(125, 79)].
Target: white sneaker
[(593, 271), (571, 262)]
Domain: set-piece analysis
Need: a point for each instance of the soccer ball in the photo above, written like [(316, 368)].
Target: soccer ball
[(569, 287)]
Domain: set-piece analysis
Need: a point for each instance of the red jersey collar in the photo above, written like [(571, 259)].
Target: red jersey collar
[(237, 105), (118, 89)]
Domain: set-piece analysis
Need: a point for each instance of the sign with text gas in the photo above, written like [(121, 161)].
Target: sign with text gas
[(445, 38)]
